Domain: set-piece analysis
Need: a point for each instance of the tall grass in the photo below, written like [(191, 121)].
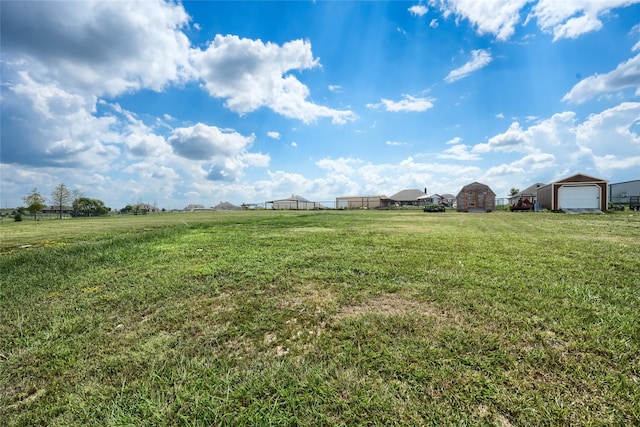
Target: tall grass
[(321, 318)]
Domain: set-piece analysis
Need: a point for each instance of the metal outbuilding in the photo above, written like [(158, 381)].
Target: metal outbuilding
[(577, 193), (362, 202), (294, 203), (530, 193), (476, 197), (621, 191)]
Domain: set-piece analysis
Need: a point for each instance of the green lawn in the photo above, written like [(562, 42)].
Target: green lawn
[(321, 318)]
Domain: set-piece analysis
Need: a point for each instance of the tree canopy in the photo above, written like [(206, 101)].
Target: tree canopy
[(35, 202), (84, 206)]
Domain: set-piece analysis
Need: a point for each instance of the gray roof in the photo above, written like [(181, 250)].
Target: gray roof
[(407, 195), (225, 206), (532, 190), (293, 198)]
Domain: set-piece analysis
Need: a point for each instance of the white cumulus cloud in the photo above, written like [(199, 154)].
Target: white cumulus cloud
[(624, 76), (489, 17), (612, 132), (101, 48), (250, 74), (459, 152), (570, 19), (418, 10)]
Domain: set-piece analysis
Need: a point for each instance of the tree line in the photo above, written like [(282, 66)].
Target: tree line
[(61, 198)]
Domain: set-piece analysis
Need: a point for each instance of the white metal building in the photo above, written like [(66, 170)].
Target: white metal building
[(294, 203), (362, 202)]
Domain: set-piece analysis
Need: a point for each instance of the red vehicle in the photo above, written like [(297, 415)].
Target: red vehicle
[(522, 205)]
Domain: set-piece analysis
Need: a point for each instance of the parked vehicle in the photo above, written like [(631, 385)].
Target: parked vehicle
[(522, 205), (434, 208), (634, 203)]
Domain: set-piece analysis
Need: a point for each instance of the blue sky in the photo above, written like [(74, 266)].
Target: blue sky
[(200, 102)]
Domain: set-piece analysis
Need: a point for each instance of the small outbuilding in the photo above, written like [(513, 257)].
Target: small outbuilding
[(621, 192), (476, 197), (294, 202), (577, 193), (362, 202), (530, 193)]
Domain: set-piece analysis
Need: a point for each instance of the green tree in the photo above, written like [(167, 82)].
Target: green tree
[(75, 195), (60, 196), (85, 206), (514, 191), (35, 202)]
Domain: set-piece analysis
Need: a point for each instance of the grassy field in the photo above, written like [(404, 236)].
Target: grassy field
[(321, 318)]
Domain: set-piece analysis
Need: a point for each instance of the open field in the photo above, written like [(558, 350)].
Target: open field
[(321, 318)]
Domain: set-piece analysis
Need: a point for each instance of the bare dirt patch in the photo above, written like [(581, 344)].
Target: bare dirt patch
[(392, 305), (310, 297)]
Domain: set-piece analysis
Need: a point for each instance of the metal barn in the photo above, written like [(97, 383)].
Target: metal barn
[(577, 193), (362, 202), (294, 203), (620, 192)]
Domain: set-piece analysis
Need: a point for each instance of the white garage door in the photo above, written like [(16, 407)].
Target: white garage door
[(581, 197)]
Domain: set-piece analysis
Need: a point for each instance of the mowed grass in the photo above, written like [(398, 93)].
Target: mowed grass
[(321, 318)]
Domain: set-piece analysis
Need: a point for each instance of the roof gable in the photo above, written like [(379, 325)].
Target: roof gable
[(407, 195), (293, 198), (531, 190), (580, 178), (225, 206), (476, 186), (376, 196)]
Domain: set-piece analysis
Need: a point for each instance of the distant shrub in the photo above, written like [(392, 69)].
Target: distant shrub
[(17, 217)]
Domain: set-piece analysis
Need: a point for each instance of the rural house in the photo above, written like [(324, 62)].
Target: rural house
[(449, 199), (144, 208), (194, 208), (575, 194), (437, 199), (407, 197), (225, 206), (56, 210), (476, 197)]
